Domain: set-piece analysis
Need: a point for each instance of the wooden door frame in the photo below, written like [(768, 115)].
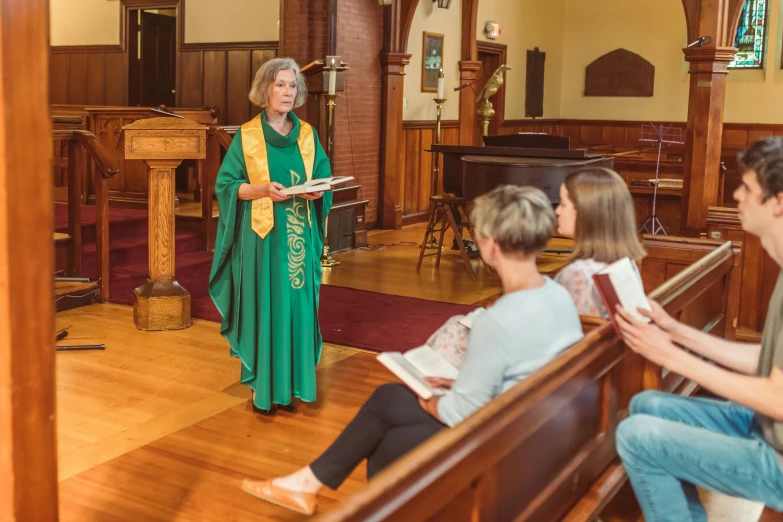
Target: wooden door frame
[(500, 99), (128, 5)]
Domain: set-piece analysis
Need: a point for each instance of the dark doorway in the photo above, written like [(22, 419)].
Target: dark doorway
[(152, 58), (491, 56)]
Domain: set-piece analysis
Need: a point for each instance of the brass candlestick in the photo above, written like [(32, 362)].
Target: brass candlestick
[(326, 258), (485, 112), (433, 242)]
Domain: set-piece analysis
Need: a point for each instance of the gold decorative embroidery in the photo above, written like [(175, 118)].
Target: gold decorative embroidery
[(296, 244)]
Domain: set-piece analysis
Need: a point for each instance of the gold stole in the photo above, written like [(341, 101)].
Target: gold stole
[(257, 165)]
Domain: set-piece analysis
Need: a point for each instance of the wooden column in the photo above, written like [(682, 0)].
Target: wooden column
[(392, 178), (162, 303), (28, 463), (468, 73), (469, 68), (704, 131), (397, 20)]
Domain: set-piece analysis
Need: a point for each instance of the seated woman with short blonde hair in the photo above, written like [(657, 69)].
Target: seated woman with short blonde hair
[(525, 329), (596, 210)]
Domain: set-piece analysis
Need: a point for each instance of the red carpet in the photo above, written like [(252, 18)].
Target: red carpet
[(357, 318)]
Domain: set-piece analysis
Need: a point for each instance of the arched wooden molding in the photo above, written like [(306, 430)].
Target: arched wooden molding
[(620, 73), (469, 21), (725, 17)]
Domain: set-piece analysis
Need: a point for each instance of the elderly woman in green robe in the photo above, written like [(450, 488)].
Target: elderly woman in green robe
[(266, 273)]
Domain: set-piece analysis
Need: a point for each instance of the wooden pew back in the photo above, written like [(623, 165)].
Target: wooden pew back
[(759, 271), (713, 308), (536, 451), (129, 187)]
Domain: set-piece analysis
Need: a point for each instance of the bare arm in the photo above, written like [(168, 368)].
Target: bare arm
[(741, 357), (761, 394)]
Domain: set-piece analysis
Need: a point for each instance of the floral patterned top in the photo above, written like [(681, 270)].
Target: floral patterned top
[(577, 278), (451, 339)]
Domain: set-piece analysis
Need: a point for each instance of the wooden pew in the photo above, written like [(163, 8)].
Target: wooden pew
[(83, 148), (544, 450), (129, 187), (759, 271)]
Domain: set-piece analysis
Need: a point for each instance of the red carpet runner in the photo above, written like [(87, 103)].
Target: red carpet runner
[(349, 317)]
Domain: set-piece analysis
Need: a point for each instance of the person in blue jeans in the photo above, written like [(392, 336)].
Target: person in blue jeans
[(670, 444)]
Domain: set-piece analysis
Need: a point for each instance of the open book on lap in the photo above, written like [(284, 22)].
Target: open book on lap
[(316, 185), (416, 364), (619, 283)]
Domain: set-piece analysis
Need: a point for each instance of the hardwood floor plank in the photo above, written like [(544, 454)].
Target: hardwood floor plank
[(195, 474)]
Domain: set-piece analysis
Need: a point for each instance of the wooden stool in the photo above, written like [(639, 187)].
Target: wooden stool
[(448, 206)]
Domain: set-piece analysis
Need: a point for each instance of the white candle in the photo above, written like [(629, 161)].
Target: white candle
[(332, 78), (441, 85)]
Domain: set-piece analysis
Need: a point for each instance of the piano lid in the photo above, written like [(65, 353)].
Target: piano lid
[(532, 162), (510, 151)]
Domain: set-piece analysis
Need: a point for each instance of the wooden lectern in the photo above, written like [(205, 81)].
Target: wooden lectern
[(161, 303)]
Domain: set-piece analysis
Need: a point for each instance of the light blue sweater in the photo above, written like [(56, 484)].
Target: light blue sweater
[(515, 337)]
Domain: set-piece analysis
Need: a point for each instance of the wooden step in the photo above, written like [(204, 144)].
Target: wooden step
[(70, 295)]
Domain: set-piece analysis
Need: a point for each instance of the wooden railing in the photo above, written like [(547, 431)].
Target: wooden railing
[(544, 450), (84, 147), (218, 140)]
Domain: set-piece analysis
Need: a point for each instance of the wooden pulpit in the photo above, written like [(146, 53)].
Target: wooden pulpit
[(161, 303)]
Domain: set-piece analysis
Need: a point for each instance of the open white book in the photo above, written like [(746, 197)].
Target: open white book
[(416, 364), (316, 185), (619, 283)]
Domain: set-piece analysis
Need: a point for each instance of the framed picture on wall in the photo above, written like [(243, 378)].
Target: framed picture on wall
[(432, 61)]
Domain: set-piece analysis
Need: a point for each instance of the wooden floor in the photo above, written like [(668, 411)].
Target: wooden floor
[(158, 428)]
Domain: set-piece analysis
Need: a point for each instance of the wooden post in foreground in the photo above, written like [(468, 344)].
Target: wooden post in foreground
[(28, 458)]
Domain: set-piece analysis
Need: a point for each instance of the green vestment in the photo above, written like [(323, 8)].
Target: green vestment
[(266, 290)]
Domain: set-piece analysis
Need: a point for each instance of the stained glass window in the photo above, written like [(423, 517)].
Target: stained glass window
[(751, 35)]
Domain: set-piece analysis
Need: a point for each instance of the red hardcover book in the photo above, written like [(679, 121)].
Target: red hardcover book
[(620, 284)]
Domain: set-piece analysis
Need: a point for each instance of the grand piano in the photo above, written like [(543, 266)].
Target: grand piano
[(538, 160)]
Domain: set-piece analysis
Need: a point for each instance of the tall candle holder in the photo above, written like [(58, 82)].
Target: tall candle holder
[(433, 242), (327, 260)]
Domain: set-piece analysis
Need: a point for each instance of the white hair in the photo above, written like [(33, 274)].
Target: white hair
[(266, 76)]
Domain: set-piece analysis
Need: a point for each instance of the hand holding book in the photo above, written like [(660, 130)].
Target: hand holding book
[(647, 338)]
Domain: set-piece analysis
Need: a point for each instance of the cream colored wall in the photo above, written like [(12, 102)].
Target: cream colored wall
[(448, 22), (655, 29), (231, 20), (527, 24), (97, 22), (84, 22)]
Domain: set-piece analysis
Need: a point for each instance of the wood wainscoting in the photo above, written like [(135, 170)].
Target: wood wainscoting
[(220, 75), (207, 74), (88, 75), (419, 164), (759, 271)]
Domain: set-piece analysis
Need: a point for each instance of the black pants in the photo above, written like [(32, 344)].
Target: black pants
[(389, 424)]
